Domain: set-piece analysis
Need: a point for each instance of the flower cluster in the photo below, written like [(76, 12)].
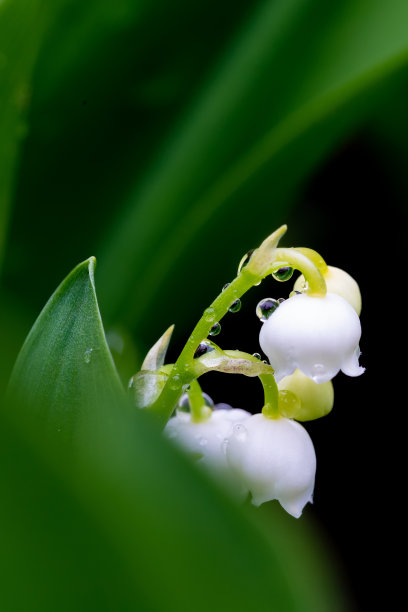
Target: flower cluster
[(307, 338)]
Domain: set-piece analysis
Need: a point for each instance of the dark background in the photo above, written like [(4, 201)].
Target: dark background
[(97, 101)]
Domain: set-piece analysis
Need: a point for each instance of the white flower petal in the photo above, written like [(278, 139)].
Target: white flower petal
[(340, 282), (317, 335), (207, 441), (275, 458)]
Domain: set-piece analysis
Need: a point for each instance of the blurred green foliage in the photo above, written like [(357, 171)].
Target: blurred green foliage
[(166, 139)]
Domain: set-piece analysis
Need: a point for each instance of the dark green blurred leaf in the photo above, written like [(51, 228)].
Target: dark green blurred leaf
[(132, 518), (64, 371), (294, 81), (19, 44)]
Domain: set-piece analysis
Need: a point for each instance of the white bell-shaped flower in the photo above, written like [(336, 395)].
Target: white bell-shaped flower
[(205, 441), (275, 459), (337, 281), (317, 335)]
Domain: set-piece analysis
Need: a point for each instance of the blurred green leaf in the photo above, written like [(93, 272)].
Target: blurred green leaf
[(296, 79), (19, 44), (132, 519), (65, 371)]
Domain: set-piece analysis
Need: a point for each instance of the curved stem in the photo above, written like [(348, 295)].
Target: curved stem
[(316, 283), (315, 257), (271, 393), (265, 260), (182, 373)]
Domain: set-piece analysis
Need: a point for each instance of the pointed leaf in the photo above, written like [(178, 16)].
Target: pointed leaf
[(157, 354), (146, 387), (64, 369)]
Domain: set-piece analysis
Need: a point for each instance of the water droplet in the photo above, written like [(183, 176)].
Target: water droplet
[(245, 260), (203, 347), (209, 315), (240, 432), (184, 402), (265, 308), (283, 274), (87, 355), (292, 293), (235, 306), (222, 406), (215, 330), (257, 356), (225, 286), (175, 382), (289, 403), (280, 300), (203, 441)]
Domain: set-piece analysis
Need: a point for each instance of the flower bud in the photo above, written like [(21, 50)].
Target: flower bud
[(315, 400), (317, 335), (275, 459), (339, 282)]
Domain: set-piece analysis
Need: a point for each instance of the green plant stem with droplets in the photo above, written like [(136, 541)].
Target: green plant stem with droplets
[(264, 260)]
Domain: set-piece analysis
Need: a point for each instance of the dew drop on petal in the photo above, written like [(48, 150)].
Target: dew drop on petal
[(283, 274), (235, 306), (240, 432), (266, 307), (257, 356), (222, 406), (225, 286), (215, 330)]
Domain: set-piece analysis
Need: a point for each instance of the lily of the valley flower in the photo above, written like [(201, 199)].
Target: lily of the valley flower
[(339, 282), (275, 459), (205, 441), (318, 335), (314, 401)]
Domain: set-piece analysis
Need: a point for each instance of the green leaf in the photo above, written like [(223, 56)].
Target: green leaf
[(146, 386), (133, 519), (64, 371), (295, 81), (157, 354), (19, 44)]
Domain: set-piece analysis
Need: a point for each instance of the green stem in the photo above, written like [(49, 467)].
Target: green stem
[(183, 370), (182, 373), (199, 411), (296, 259), (271, 393), (315, 257)]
